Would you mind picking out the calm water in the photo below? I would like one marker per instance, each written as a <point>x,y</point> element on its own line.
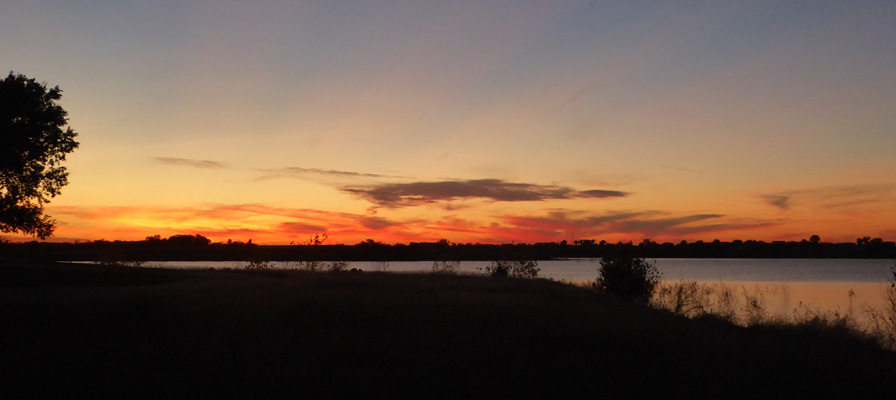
<point>845,286</point>
<point>673,269</point>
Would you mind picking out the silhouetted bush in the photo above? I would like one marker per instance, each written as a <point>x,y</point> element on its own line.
<point>628,277</point>
<point>515,269</point>
<point>498,268</point>
<point>445,267</point>
<point>258,265</point>
<point>336,266</point>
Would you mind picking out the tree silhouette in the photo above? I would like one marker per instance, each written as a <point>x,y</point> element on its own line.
<point>33,145</point>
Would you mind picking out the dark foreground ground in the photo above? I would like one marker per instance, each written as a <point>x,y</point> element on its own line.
<point>123,332</point>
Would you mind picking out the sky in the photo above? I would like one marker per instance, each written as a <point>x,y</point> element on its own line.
<point>471,121</point>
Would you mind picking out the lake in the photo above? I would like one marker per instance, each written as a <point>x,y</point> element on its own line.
<point>673,269</point>
<point>845,286</point>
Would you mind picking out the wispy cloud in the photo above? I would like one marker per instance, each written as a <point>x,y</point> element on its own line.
<point>646,224</point>
<point>417,193</point>
<point>778,200</point>
<point>301,227</point>
<point>833,197</point>
<point>659,225</point>
<point>306,173</point>
<point>187,162</point>
<point>742,226</point>
<point>599,194</point>
<point>677,168</point>
<point>582,92</point>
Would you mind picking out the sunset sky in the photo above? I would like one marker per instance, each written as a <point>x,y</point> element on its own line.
<point>472,121</point>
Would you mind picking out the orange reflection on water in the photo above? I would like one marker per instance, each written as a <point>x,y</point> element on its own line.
<point>791,299</point>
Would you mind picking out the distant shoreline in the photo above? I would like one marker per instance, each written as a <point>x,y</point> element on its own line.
<point>198,248</point>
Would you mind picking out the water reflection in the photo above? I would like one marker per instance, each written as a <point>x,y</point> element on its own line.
<point>797,299</point>
<point>786,287</point>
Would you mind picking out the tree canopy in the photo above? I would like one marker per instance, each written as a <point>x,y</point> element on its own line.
<point>34,141</point>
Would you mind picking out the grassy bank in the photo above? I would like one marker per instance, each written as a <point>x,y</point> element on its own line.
<point>128,331</point>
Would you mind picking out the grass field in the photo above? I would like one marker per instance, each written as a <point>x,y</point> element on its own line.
<point>139,332</point>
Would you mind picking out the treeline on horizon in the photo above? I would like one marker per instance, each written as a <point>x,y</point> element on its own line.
<point>200,248</point>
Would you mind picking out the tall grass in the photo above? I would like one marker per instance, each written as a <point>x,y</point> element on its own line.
<point>747,308</point>
<point>314,265</point>
<point>514,269</point>
<point>883,321</point>
<point>693,300</point>
<point>445,267</point>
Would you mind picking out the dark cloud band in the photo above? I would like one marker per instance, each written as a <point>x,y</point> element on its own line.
<point>416,193</point>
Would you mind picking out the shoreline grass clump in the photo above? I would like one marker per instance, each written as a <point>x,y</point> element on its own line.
<point>258,265</point>
<point>446,267</point>
<point>526,269</point>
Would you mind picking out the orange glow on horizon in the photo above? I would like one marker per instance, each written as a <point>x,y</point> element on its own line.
<point>271,225</point>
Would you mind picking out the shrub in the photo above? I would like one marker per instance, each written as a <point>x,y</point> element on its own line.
<point>258,265</point>
<point>314,265</point>
<point>310,265</point>
<point>515,269</point>
<point>313,246</point>
<point>110,263</point>
<point>628,277</point>
<point>445,267</point>
<point>498,268</point>
<point>525,269</point>
<point>336,266</point>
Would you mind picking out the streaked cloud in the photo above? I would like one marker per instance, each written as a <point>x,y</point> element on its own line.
<point>187,162</point>
<point>659,225</point>
<point>701,229</point>
<point>833,197</point>
<point>778,200</point>
<point>645,224</point>
<point>306,173</point>
<point>376,223</point>
<point>302,227</point>
<point>677,168</point>
<point>417,193</point>
<point>599,194</point>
